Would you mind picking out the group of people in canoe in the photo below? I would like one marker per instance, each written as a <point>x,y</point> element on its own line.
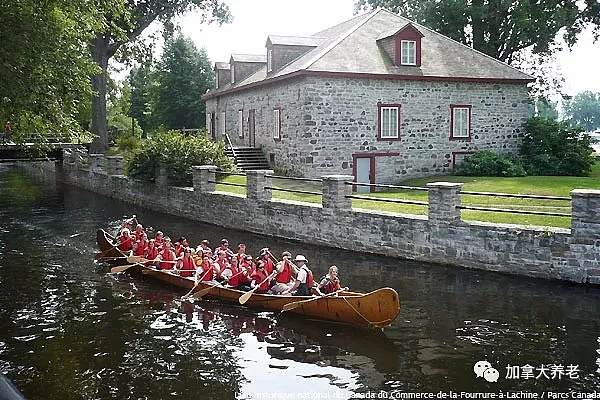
<point>239,270</point>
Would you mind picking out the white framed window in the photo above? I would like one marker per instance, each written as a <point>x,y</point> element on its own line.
<point>276,123</point>
<point>408,52</point>
<point>269,60</point>
<point>241,123</point>
<point>232,73</point>
<point>460,126</point>
<point>209,124</point>
<point>216,79</point>
<point>222,123</point>
<point>389,121</point>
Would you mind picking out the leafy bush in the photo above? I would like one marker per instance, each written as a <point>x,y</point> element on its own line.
<point>177,154</point>
<point>551,147</point>
<point>487,163</point>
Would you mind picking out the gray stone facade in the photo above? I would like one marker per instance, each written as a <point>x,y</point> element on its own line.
<point>325,121</point>
<point>441,237</point>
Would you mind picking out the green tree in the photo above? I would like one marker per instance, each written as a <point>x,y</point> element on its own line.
<point>183,76</point>
<point>499,28</point>
<point>124,25</point>
<point>142,80</point>
<point>46,65</point>
<point>546,108</point>
<point>584,110</point>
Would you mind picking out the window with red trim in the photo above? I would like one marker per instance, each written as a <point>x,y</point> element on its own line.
<point>460,121</point>
<point>388,121</point>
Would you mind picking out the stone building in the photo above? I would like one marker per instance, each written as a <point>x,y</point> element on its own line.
<point>379,97</point>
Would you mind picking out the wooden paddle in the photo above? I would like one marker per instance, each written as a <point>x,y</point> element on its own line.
<point>244,298</point>
<point>196,285</point>
<point>291,306</point>
<point>101,254</point>
<point>204,291</point>
<point>122,268</point>
<point>139,259</point>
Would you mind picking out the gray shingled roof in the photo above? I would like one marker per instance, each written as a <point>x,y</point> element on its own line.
<point>351,47</point>
<point>295,40</point>
<point>252,58</point>
<point>222,65</point>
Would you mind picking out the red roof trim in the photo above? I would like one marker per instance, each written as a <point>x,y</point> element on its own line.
<point>362,75</point>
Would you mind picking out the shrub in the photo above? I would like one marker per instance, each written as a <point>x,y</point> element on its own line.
<point>487,163</point>
<point>551,147</point>
<point>177,154</point>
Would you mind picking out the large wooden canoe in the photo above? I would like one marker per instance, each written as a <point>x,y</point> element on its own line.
<point>373,310</point>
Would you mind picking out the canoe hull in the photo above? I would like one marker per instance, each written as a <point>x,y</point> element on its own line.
<point>373,310</point>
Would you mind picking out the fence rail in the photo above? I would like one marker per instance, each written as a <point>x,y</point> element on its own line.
<point>376,185</point>
<point>518,196</point>
<point>294,190</point>
<point>400,201</point>
<point>507,210</point>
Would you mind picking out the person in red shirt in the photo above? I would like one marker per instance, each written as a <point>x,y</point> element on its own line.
<point>206,270</point>
<point>139,230</point>
<point>187,264</point>
<point>166,254</point>
<point>140,245</point>
<point>125,241</point>
<point>158,239</point>
<point>151,252</point>
<point>204,248</point>
<point>225,248</point>
<point>260,278</point>
<point>241,253</point>
<point>221,263</point>
<point>266,259</point>
<point>330,282</point>
<point>285,274</point>
<point>231,274</point>
<point>247,267</point>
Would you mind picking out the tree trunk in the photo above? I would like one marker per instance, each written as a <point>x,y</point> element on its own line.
<point>99,124</point>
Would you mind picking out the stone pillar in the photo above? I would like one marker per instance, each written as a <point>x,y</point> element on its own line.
<point>204,177</point>
<point>443,199</point>
<point>161,177</point>
<point>256,183</point>
<point>96,163</point>
<point>335,191</point>
<point>114,165</point>
<point>585,216</point>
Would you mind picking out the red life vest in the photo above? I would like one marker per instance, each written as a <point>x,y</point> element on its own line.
<point>309,277</point>
<point>331,285</point>
<point>286,273</point>
<point>208,271</point>
<point>151,253</point>
<point>138,234</point>
<point>234,280</point>
<point>141,248</point>
<point>167,255</point>
<point>268,264</point>
<point>126,243</point>
<point>188,264</point>
<point>249,267</point>
<point>259,276</point>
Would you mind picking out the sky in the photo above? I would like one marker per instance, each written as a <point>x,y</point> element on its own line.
<point>254,20</point>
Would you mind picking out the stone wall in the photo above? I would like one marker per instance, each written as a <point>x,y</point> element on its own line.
<point>441,237</point>
<point>327,120</point>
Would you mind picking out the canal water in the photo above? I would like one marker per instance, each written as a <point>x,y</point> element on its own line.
<point>70,330</point>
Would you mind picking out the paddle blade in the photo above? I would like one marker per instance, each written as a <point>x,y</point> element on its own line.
<point>291,306</point>
<point>202,292</point>
<point>244,298</point>
<point>136,259</point>
<point>121,268</point>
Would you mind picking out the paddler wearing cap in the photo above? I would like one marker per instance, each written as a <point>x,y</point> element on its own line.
<point>304,280</point>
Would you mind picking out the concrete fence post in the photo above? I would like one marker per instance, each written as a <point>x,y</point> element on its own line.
<point>444,197</point>
<point>257,182</point>
<point>585,216</point>
<point>96,163</point>
<point>114,165</point>
<point>335,191</point>
<point>162,179</point>
<point>204,177</point>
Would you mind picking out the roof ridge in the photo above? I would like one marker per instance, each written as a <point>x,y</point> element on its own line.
<point>340,38</point>
<point>458,43</point>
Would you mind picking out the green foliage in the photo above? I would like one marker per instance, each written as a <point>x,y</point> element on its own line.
<point>584,110</point>
<point>287,171</point>
<point>183,76</point>
<point>177,153</point>
<point>487,163</point>
<point>46,68</point>
<point>546,108</point>
<point>551,147</point>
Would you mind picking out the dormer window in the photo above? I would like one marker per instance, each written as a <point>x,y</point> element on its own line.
<point>269,60</point>
<point>408,52</point>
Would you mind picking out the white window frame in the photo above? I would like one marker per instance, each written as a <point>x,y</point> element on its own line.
<point>408,52</point>
<point>269,60</point>
<point>222,123</point>
<point>461,122</point>
<point>232,73</point>
<point>390,123</point>
<point>276,123</point>
<point>241,123</point>
<point>209,123</point>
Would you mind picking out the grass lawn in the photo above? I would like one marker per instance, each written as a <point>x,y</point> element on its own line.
<point>536,185</point>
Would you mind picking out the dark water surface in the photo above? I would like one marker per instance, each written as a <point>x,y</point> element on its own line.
<point>69,330</point>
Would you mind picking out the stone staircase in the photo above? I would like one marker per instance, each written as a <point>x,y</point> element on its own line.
<point>248,158</point>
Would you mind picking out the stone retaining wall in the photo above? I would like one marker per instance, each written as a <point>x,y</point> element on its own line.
<point>442,237</point>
